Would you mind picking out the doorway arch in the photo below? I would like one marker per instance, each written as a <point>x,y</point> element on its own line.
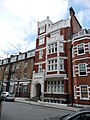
<point>38,90</point>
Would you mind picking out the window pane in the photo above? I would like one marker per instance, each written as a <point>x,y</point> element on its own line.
<point>61,64</point>
<point>84,92</point>
<point>80,48</point>
<point>82,69</point>
<point>61,47</point>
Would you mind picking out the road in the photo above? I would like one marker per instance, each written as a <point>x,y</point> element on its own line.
<point>23,111</point>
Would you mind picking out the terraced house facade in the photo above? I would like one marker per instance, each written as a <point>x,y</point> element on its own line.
<point>58,70</point>
<point>16,73</point>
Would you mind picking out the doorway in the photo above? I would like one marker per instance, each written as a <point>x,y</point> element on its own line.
<point>38,90</point>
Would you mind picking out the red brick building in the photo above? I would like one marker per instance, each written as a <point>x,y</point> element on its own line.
<point>16,73</point>
<point>81,66</point>
<point>58,70</point>
<point>52,76</point>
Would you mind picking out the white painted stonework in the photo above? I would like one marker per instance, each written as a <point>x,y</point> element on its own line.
<point>37,78</point>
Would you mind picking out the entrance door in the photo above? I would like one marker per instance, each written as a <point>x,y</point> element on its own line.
<point>38,90</point>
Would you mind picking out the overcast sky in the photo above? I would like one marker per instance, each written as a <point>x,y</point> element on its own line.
<point>18,20</point>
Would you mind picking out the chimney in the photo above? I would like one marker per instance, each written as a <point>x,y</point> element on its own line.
<point>72,13</point>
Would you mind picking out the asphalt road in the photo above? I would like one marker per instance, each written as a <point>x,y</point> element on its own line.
<point>23,111</point>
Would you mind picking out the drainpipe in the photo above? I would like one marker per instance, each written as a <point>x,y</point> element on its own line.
<point>72,96</point>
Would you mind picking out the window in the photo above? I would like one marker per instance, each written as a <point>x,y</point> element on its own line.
<point>13,76</point>
<point>7,68</point>
<point>61,64</point>
<point>16,75</point>
<point>42,29</point>
<point>13,67</point>
<point>17,66</point>
<point>62,86</point>
<point>52,48</point>
<point>82,69</point>
<point>25,89</point>
<point>61,47</point>
<point>41,41</point>
<point>80,49</point>
<point>48,89</point>
<point>40,68</point>
<point>58,86</point>
<point>86,116</point>
<point>72,52</point>
<point>25,73</point>
<point>74,71</point>
<point>84,91</point>
<point>40,54</point>
<point>75,95</point>
<point>25,64</point>
<point>21,56</point>
<point>55,86</point>
<point>52,65</point>
<point>89,47</point>
<point>77,117</point>
<point>54,34</point>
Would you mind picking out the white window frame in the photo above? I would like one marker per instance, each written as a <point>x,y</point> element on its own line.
<point>52,65</point>
<point>72,51</point>
<point>54,34</point>
<point>61,64</point>
<point>52,48</point>
<point>40,68</point>
<point>61,47</point>
<point>84,98</point>
<point>75,92</point>
<point>79,46</point>
<point>13,66</point>
<point>25,89</point>
<point>25,71</point>
<point>42,29</point>
<point>41,41</point>
<point>89,47</point>
<point>55,86</point>
<point>74,71</point>
<point>82,70</point>
<point>40,54</point>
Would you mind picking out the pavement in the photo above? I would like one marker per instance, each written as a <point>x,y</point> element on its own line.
<point>52,105</point>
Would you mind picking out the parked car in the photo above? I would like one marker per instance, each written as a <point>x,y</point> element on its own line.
<point>83,114</point>
<point>8,96</point>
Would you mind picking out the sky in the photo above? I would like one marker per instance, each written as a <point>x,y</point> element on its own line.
<point>18,21</point>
